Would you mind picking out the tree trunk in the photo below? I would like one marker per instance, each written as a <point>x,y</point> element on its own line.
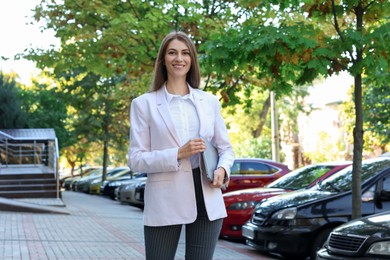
<point>358,130</point>
<point>357,150</point>
<point>263,117</point>
<point>106,124</point>
<point>105,158</point>
<point>275,129</point>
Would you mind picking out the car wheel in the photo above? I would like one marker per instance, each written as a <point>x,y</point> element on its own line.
<point>319,241</point>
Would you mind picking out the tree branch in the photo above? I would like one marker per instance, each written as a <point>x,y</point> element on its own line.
<point>338,30</point>
<point>336,23</point>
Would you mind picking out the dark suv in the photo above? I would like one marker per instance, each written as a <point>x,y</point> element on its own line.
<point>364,238</point>
<point>297,224</point>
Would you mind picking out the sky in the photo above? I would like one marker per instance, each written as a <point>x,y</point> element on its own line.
<point>332,89</point>
<point>17,35</point>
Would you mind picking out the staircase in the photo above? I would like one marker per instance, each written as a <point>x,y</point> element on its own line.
<point>28,182</point>
<point>28,164</point>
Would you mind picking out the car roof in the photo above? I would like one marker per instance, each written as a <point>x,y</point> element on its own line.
<point>268,161</point>
<point>334,163</point>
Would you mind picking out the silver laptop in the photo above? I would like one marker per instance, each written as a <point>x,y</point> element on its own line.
<point>210,159</point>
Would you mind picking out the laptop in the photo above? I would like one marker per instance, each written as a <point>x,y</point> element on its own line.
<point>210,159</point>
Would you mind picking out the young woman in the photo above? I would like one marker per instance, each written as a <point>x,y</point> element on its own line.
<point>168,127</point>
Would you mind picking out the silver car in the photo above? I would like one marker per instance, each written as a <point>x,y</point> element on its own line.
<point>126,193</point>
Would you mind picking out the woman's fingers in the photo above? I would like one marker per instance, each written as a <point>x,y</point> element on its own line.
<point>192,147</point>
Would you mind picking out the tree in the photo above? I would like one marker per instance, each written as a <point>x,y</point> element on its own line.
<point>273,45</point>
<point>107,53</point>
<point>11,114</point>
<point>359,46</point>
<point>295,41</point>
<point>376,100</point>
<point>376,109</point>
<point>46,108</point>
<point>246,118</point>
<point>98,115</point>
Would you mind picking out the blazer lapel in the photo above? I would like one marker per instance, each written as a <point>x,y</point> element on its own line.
<point>163,109</point>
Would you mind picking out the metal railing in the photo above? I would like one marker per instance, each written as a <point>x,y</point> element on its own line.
<point>27,153</point>
<point>30,153</point>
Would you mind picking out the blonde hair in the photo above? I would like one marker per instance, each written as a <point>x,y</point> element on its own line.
<point>160,71</point>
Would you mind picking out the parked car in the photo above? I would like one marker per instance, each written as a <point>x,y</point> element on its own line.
<point>126,192</point>
<point>94,185</point>
<point>108,186</point>
<point>254,172</point>
<point>140,191</point>
<point>296,224</point>
<point>245,173</point>
<point>66,181</point>
<point>70,184</point>
<point>83,184</point>
<point>240,204</point>
<point>364,238</point>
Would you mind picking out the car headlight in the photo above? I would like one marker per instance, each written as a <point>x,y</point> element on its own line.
<point>288,213</point>
<point>113,184</point>
<point>242,205</point>
<point>380,248</point>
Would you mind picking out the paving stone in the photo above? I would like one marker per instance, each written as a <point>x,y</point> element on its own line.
<point>95,228</point>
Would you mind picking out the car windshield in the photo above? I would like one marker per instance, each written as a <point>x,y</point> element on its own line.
<point>300,178</point>
<point>342,181</point>
<point>116,171</point>
<point>120,173</point>
<point>95,173</point>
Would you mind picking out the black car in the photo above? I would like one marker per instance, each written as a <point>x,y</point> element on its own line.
<point>297,224</point>
<point>108,186</point>
<point>364,238</point>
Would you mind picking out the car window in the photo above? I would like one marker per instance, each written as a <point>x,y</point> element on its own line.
<point>342,181</point>
<point>95,173</point>
<point>369,194</point>
<point>386,183</point>
<point>301,178</point>
<point>252,168</point>
<point>115,172</point>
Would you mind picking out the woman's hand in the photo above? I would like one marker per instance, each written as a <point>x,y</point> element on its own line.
<point>193,146</point>
<point>219,178</point>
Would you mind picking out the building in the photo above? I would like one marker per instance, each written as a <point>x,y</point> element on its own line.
<point>29,163</point>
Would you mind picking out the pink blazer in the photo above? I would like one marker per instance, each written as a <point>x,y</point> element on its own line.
<point>169,193</point>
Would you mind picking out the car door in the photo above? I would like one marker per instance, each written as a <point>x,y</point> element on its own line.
<point>382,200</point>
<point>250,174</point>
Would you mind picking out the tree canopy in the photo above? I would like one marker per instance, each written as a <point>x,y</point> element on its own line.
<point>11,114</point>
<point>108,49</point>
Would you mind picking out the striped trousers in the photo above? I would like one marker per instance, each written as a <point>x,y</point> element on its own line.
<point>201,236</point>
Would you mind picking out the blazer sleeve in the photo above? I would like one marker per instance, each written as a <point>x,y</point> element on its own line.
<point>221,139</point>
<point>141,158</point>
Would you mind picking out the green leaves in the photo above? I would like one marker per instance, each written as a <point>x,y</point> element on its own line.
<point>11,114</point>
<point>244,47</point>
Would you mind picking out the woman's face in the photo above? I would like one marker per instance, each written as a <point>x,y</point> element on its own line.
<point>177,59</point>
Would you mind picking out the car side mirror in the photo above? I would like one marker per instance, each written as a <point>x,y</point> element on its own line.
<point>385,195</point>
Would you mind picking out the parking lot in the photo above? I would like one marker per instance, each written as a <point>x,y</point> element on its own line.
<point>95,227</point>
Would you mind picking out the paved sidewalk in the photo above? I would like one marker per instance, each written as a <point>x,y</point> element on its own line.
<point>95,228</point>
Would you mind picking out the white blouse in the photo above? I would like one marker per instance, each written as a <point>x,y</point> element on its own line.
<point>185,118</point>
